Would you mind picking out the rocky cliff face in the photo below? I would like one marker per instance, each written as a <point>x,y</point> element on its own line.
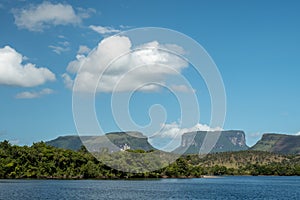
<point>278,143</point>
<point>233,140</point>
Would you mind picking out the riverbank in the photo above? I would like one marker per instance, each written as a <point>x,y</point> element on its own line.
<point>41,161</point>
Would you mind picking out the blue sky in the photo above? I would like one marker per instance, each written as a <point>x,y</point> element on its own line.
<point>255,45</point>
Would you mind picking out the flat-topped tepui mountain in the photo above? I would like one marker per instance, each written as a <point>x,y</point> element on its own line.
<point>233,140</point>
<point>278,143</point>
<point>228,141</point>
<point>121,140</point>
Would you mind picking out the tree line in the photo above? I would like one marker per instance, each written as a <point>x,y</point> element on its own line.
<point>43,161</point>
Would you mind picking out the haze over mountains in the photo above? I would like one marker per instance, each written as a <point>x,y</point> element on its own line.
<point>233,140</point>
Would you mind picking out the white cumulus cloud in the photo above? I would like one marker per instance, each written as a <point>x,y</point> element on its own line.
<point>14,72</point>
<point>34,94</point>
<point>298,133</point>
<point>104,30</point>
<point>174,129</point>
<point>144,65</point>
<point>83,49</point>
<point>39,17</point>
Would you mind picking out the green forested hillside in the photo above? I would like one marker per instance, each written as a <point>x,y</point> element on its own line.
<point>278,143</point>
<point>43,161</point>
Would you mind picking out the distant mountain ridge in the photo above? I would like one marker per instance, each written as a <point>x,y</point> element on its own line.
<point>232,140</point>
<point>278,143</point>
<point>132,140</point>
<point>71,142</point>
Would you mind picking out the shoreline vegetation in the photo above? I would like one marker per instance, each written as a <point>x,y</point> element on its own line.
<point>41,161</point>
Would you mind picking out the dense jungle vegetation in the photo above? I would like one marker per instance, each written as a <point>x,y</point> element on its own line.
<point>44,161</point>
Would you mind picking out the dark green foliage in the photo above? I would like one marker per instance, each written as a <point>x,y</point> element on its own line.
<point>44,161</point>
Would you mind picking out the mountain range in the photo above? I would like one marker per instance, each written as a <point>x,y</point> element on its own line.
<point>191,142</point>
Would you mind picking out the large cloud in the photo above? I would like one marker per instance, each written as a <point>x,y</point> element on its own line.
<point>38,17</point>
<point>146,63</point>
<point>13,72</point>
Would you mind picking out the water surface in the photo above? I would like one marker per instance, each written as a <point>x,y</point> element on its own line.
<point>214,188</point>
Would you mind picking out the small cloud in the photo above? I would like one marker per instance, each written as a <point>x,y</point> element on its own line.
<point>175,48</point>
<point>85,12</point>
<point>104,30</point>
<point>255,135</point>
<point>125,27</point>
<point>46,91</point>
<point>58,49</point>
<point>14,142</point>
<point>25,58</point>
<point>33,95</point>
<point>64,43</point>
<point>297,133</point>
<point>62,46</point>
<point>61,36</point>
<point>41,16</point>
<point>27,95</point>
<point>174,129</point>
<point>83,49</point>
<point>67,81</point>
<point>182,88</point>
